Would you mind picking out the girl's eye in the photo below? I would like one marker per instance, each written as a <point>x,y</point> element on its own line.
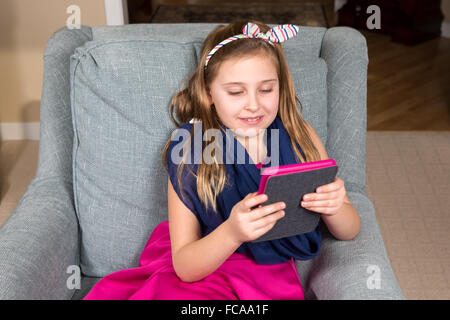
<point>236,93</point>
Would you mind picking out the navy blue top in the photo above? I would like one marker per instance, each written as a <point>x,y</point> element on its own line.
<point>243,177</point>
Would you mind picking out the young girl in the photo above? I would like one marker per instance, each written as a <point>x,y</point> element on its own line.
<point>242,85</point>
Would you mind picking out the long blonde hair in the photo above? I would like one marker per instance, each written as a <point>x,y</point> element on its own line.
<point>192,102</point>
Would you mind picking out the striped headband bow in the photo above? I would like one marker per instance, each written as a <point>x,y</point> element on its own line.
<point>279,33</point>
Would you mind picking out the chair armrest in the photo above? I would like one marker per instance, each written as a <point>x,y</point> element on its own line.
<point>344,269</point>
<point>347,270</point>
<point>38,242</point>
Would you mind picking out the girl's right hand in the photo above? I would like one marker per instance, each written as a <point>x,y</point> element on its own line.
<point>247,224</point>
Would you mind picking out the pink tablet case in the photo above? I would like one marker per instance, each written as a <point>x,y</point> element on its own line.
<point>289,183</point>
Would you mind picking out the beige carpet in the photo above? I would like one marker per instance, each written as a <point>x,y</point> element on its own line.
<point>408,180</point>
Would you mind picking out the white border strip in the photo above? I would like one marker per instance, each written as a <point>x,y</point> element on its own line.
<point>116,12</point>
<point>19,130</point>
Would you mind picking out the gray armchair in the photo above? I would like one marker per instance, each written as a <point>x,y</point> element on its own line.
<point>100,187</point>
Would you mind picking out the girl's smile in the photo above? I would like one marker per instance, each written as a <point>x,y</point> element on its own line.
<point>252,121</point>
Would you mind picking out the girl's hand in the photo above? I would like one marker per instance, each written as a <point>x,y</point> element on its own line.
<point>247,224</point>
<point>328,199</point>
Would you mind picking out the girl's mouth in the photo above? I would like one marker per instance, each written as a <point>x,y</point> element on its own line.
<point>251,121</point>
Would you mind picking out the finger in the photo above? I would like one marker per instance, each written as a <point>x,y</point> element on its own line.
<point>337,184</point>
<point>321,203</point>
<point>269,220</point>
<point>254,194</point>
<point>267,210</point>
<point>242,203</point>
<point>324,210</point>
<point>321,196</point>
<point>254,200</point>
<point>265,228</point>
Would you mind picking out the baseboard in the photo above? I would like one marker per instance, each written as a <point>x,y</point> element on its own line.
<point>445,29</point>
<point>19,130</point>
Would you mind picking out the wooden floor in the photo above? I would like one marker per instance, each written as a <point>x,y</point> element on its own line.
<point>408,88</point>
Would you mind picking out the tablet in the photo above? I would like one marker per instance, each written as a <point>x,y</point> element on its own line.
<point>289,183</point>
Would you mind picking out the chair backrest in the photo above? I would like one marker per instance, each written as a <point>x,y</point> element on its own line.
<point>122,79</point>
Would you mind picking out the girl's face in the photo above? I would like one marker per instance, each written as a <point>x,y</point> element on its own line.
<point>246,88</point>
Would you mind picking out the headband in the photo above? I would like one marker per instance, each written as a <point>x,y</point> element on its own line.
<point>278,33</point>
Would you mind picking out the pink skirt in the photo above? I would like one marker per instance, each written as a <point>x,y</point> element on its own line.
<point>238,278</point>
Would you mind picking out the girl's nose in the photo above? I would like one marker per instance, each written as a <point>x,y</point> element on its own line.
<point>252,103</point>
<point>252,107</point>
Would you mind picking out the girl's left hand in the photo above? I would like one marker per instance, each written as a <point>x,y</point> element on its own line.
<point>328,199</point>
